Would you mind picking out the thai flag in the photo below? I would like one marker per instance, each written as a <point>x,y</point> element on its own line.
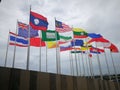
<point>17,40</point>
<point>38,22</point>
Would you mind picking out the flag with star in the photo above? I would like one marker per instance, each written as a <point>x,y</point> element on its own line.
<point>38,22</point>
<point>23,30</point>
<point>79,33</point>
<point>62,27</point>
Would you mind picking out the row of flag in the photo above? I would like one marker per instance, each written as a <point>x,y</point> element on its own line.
<point>53,38</point>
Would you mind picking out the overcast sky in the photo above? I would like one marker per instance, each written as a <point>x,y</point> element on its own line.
<point>98,16</point>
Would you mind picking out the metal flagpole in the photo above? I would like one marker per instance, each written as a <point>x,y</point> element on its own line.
<point>79,63</point>
<point>107,65</point>
<point>46,60</point>
<point>13,65</point>
<point>7,50</point>
<point>70,63</point>
<point>115,70</point>
<point>28,51</point>
<point>101,76</point>
<point>83,64</point>
<point>59,62</point>
<point>40,55</point>
<point>57,70</point>
<point>90,67</point>
<point>87,67</point>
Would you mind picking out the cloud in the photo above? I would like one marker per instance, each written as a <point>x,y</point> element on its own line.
<point>98,16</point>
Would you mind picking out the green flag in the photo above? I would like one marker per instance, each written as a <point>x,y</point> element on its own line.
<point>79,33</point>
<point>65,38</point>
<point>50,35</point>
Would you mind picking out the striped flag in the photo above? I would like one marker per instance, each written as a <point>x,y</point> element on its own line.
<point>61,27</point>
<point>18,40</point>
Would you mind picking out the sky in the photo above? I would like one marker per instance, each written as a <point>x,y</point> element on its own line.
<point>95,16</point>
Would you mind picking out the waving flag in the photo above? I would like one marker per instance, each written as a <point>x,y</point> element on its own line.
<point>51,44</point>
<point>23,42</point>
<point>61,27</point>
<point>77,42</point>
<point>96,50</point>
<point>65,38</point>
<point>50,35</point>
<point>113,48</point>
<point>17,40</point>
<point>38,21</point>
<point>23,30</point>
<point>63,48</point>
<point>101,42</point>
<point>37,42</point>
<point>77,51</point>
<point>94,35</point>
<point>79,33</point>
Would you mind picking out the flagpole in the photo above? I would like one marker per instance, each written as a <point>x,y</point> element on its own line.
<point>14,55</point>
<point>7,50</point>
<point>46,60</point>
<point>101,76</point>
<point>107,65</point>
<point>28,51</point>
<point>59,60</point>
<point>91,67</point>
<point>57,70</point>
<point>83,64</point>
<point>40,55</point>
<point>79,63</point>
<point>115,70</point>
<point>87,67</point>
<point>70,64</point>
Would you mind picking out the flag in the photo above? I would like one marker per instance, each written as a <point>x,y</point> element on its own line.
<point>62,42</point>
<point>101,39</point>
<point>38,21</point>
<point>79,33</point>
<point>61,27</point>
<point>94,35</point>
<point>96,50</point>
<point>113,48</point>
<point>23,30</point>
<point>51,44</point>
<point>50,35</point>
<point>77,42</point>
<point>77,51</point>
<point>63,48</point>
<point>66,46</point>
<point>23,42</point>
<point>100,42</point>
<point>85,48</point>
<point>65,38</point>
<point>17,40</point>
<point>37,42</point>
<point>90,55</point>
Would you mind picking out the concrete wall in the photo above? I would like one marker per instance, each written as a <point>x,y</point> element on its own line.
<point>16,79</point>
